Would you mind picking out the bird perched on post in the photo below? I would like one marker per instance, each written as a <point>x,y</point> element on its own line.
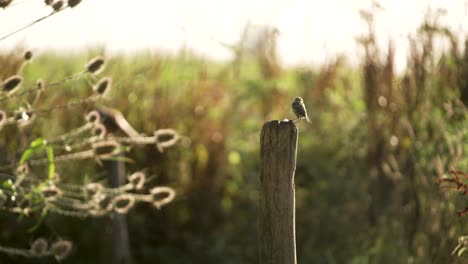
<point>299,109</point>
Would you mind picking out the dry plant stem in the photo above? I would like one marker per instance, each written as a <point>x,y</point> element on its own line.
<point>15,210</point>
<point>77,212</point>
<point>136,140</point>
<point>73,193</point>
<point>72,203</point>
<point>80,191</point>
<point>73,156</point>
<point>36,98</point>
<point>54,209</point>
<point>119,190</point>
<point>36,90</point>
<point>12,120</point>
<point>69,143</point>
<point>30,24</point>
<point>19,179</point>
<point>16,251</point>
<point>81,155</point>
<point>72,134</point>
<point>69,78</point>
<point>70,104</point>
<point>152,140</point>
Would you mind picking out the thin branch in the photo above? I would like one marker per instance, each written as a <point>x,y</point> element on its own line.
<point>30,24</point>
<point>36,90</point>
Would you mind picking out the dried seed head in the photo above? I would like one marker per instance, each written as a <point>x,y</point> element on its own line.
<point>57,5</point>
<point>93,117</point>
<point>103,86</point>
<point>48,2</point>
<point>102,201</point>
<point>137,179</point>
<point>5,3</point>
<point>28,55</point>
<point>22,169</point>
<point>156,192</point>
<point>51,192</point>
<point>95,191</point>
<point>12,83</point>
<point>40,85</point>
<point>123,203</point>
<point>95,66</point>
<point>61,249</point>
<point>39,247</point>
<point>106,149</point>
<point>99,130</point>
<point>73,3</point>
<point>94,188</point>
<point>165,138</point>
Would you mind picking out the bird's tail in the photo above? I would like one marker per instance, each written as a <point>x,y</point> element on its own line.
<point>308,120</point>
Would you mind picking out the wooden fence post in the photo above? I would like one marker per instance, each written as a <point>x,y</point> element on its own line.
<point>117,236</point>
<point>277,231</point>
<point>115,240</point>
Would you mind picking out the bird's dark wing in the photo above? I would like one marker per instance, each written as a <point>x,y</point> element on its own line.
<point>299,108</point>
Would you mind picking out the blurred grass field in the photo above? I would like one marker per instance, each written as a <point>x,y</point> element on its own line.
<point>367,166</point>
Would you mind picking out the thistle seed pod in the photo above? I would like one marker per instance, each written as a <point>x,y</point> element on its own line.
<point>137,179</point>
<point>95,66</point>
<point>106,149</point>
<point>102,201</point>
<point>99,131</point>
<point>28,55</point>
<point>165,138</point>
<point>40,85</point>
<point>12,83</point>
<point>57,5</point>
<point>73,3</point>
<point>93,117</point>
<point>39,247</point>
<point>22,169</point>
<point>157,191</point>
<point>50,192</point>
<point>103,86</point>
<point>5,3</point>
<point>61,249</point>
<point>123,203</point>
<point>93,188</point>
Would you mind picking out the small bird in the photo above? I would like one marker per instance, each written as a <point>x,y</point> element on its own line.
<point>299,109</point>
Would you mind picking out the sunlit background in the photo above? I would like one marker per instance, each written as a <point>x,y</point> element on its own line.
<point>310,31</point>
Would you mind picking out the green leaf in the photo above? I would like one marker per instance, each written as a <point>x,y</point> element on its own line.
<point>50,158</point>
<point>7,184</point>
<point>36,145</point>
<point>460,252</point>
<point>39,222</point>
